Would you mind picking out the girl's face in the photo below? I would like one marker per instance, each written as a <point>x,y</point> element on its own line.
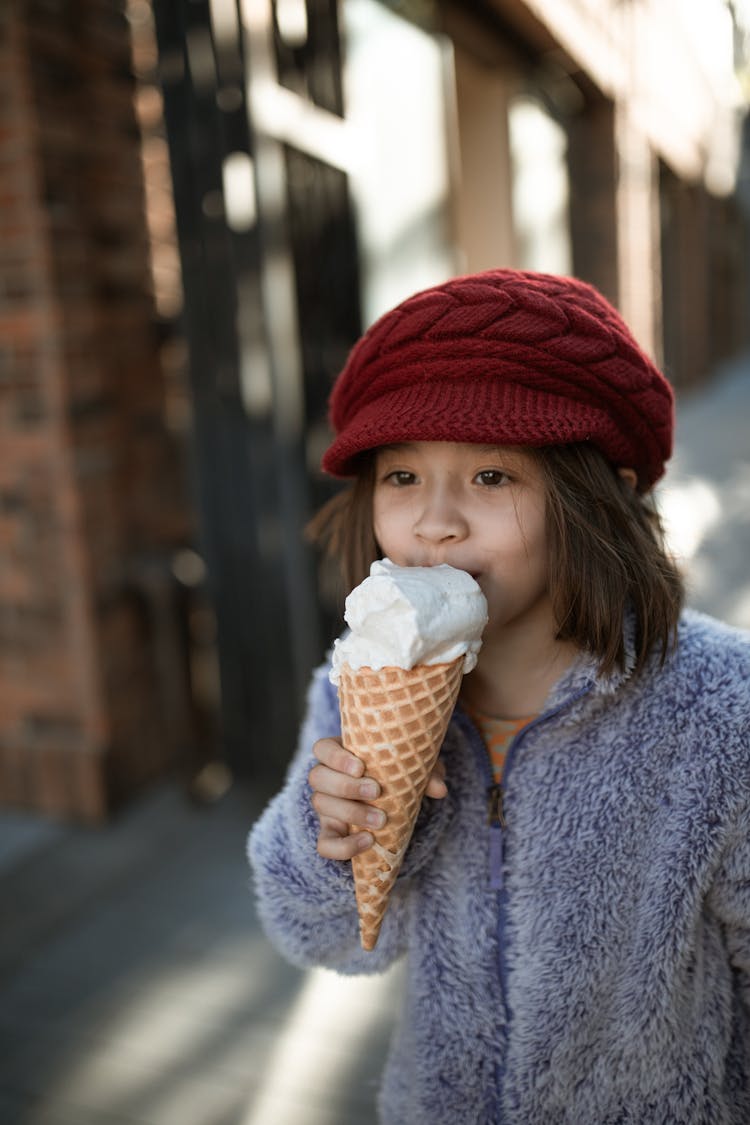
<point>478,508</point>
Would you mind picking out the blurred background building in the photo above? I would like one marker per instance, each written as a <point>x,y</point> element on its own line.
<point>203,204</point>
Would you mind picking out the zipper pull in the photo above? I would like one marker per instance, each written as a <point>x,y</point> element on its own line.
<point>495,811</point>
<point>496,821</point>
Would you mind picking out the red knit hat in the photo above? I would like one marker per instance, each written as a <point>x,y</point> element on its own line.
<point>507,358</point>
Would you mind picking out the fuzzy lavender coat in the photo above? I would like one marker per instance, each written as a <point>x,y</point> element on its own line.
<point>608,981</point>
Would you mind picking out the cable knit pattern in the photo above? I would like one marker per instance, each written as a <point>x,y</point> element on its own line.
<point>608,983</point>
<point>503,357</point>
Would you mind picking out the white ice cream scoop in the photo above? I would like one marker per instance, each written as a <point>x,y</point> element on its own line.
<point>402,616</point>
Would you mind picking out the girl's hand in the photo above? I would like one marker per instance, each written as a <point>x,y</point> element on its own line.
<point>341,796</point>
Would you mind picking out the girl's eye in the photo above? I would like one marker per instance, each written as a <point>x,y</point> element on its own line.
<point>491,478</point>
<point>400,477</point>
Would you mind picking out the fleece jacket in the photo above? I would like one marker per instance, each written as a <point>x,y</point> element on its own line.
<point>589,963</point>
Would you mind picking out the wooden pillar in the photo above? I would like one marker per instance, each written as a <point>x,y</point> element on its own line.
<point>484,217</point>
<point>592,172</point>
<point>638,243</point>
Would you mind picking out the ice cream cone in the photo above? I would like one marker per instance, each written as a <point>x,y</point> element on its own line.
<point>395,720</point>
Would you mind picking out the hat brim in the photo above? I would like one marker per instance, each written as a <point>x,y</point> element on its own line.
<point>476,412</point>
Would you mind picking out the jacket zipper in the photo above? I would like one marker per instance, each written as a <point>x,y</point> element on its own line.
<point>497,826</point>
<point>496,821</point>
<point>496,818</point>
<point>496,791</point>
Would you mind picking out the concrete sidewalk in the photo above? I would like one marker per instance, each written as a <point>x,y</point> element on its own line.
<point>135,985</point>
<point>705,497</point>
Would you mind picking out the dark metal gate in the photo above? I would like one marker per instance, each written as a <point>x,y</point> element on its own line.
<point>254,114</point>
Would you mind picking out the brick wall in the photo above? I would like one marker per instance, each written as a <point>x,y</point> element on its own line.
<point>91,500</point>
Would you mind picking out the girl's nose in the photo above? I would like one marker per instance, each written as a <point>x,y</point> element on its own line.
<point>440,520</point>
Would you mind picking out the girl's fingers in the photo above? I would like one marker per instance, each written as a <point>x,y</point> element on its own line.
<point>330,752</point>
<point>335,841</point>
<point>341,796</point>
<point>348,812</point>
<point>436,786</point>
<point>324,779</point>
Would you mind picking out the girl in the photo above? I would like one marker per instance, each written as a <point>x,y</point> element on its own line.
<point>597,969</point>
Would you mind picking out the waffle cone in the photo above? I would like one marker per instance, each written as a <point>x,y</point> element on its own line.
<point>395,721</point>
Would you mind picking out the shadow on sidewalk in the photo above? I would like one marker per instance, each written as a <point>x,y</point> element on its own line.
<point>137,986</point>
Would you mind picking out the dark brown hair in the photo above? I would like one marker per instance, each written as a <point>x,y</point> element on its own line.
<point>607,552</point>
<point>343,529</point>
<point>605,543</point>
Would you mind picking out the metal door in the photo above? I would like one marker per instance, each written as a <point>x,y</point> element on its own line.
<point>259,151</point>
